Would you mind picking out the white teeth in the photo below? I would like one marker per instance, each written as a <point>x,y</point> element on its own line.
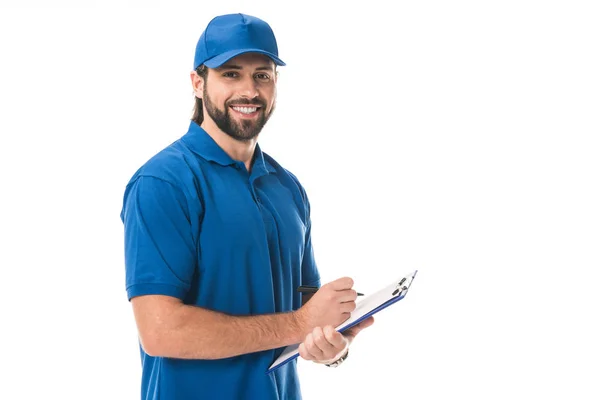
<point>245,110</point>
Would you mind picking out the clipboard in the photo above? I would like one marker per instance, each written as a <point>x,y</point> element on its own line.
<point>366,307</point>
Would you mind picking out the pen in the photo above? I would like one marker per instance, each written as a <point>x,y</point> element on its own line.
<point>313,289</point>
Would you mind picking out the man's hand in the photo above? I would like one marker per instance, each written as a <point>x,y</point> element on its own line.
<point>351,333</point>
<point>325,345</point>
<point>330,305</point>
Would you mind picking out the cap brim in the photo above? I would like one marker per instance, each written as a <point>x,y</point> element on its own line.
<point>221,59</point>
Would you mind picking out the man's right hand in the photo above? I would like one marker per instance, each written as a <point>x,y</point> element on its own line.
<point>330,305</point>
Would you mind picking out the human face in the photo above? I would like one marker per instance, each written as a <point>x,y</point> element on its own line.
<point>240,95</point>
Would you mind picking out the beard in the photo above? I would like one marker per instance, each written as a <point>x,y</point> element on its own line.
<point>243,130</point>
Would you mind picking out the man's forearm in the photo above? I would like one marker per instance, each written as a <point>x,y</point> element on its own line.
<point>197,333</point>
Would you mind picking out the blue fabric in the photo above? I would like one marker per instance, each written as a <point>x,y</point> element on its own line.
<point>200,228</point>
<point>228,36</point>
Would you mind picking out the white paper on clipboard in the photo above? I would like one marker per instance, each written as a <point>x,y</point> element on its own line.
<point>365,307</point>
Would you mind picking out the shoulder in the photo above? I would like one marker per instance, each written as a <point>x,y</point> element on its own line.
<point>172,165</point>
<point>167,177</point>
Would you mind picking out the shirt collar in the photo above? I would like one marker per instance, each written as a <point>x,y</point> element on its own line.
<point>261,165</point>
<point>201,143</point>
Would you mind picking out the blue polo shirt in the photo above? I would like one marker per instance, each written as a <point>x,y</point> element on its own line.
<point>200,228</point>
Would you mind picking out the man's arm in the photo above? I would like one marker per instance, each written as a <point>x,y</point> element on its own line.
<point>169,328</point>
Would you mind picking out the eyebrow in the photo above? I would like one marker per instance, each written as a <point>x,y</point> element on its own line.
<point>238,67</point>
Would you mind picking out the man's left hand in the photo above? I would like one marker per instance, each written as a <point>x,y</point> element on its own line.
<point>325,345</point>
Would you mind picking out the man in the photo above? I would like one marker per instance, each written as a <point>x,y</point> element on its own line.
<point>218,239</point>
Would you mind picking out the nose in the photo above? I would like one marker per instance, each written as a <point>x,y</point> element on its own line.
<point>248,88</point>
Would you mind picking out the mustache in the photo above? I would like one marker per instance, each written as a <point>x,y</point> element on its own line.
<point>247,102</point>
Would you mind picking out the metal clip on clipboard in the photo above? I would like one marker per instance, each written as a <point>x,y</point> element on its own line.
<point>399,288</point>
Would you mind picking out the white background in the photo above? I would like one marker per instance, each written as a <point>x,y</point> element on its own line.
<point>459,138</point>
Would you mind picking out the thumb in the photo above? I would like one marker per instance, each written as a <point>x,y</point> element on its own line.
<point>352,332</point>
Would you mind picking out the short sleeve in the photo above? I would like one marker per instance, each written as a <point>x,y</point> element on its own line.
<point>160,253</point>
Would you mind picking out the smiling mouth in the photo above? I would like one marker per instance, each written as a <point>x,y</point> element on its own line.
<point>247,110</point>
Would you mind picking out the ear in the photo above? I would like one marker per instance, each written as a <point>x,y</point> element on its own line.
<point>197,84</point>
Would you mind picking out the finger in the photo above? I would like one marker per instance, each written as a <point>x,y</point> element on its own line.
<point>342,283</point>
<point>311,347</point>
<point>347,295</point>
<point>347,307</point>
<point>320,341</point>
<point>352,332</point>
<point>304,353</point>
<point>367,323</point>
<point>336,339</point>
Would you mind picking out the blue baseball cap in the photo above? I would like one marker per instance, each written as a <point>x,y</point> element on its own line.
<point>228,36</point>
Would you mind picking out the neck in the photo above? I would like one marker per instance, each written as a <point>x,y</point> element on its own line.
<point>236,149</point>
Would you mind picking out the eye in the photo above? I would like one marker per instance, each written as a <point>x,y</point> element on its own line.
<point>263,77</point>
<point>230,74</point>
